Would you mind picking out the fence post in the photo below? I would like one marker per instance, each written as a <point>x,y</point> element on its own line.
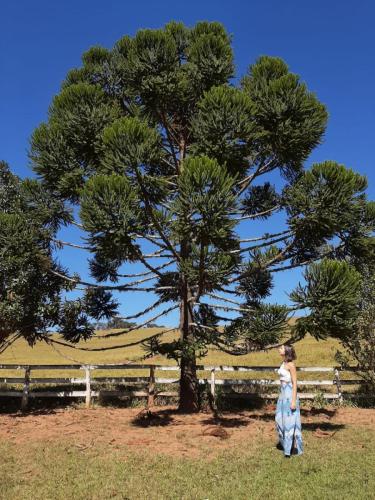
<point>88,386</point>
<point>338,385</point>
<point>151,387</point>
<point>26,389</point>
<point>213,382</point>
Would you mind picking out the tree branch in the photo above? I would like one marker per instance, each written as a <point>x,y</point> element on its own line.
<point>246,350</point>
<point>100,349</point>
<point>153,240</point>
<point>158,268</point>
<point>145,311</point>
<point>8,342</point>
<point>226,308</point>
<point>77,224</point>
<point>138,327</point>
<point>147,265</point>
<point>279,255</point>
<point>266,236</point>
<point>306,262</point>
<point>66,243</point>
<point>261,169</point>
<point>254,247</point>
<point>225,299</point>
<point>169,138</point>
<point>259,214</point>
<point>201,273</point>
<point>149,209</point>
<point>122,288</point>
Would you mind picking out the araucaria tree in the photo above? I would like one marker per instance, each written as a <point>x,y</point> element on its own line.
<point>154,142</point>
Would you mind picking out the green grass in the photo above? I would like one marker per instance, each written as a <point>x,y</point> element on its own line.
<point>337,468</point>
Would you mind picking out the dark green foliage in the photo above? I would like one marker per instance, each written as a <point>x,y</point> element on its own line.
<point>110,213</point>
<point>261,326</point>
<point>224,128</point>
<point>66,150</point>
<point>291,118</point>
<point>358,348</point>
<point>256,284</point>
<point>326,200</point>
<point>260,199</point>
<point>29,292</point>
<point>207,316</point>
<point>102,268</point>
<point>74,323</point>
<point>32,286</point>
<point>9,189</point>
<point>30,198</point>
<point>99,304</point>
<point>170,279</point>
<point>205,197</point>
<point>331,295</point>
<point>94,70</point>
<point>129,143</point>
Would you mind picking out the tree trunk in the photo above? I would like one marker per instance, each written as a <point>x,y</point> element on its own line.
<point>189,398</point>
<point>189,401</point>
<point>188,387</point>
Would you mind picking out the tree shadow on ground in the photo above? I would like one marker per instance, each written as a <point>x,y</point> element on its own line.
<point>324,426</point>
<point>42,406</point>
<point>163,417</point>
<point>318,411</point>
<point>322,417</point>
<point>152,418</point>
<point>227,421</point>
<point>235,401</point>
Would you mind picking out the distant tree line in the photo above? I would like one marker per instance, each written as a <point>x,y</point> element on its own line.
<point>117,322</point>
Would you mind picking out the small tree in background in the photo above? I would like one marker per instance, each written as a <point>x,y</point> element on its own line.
<point>152,144</point>
<point>359,346</point>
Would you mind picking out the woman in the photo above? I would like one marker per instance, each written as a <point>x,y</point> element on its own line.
<point>288,418</point>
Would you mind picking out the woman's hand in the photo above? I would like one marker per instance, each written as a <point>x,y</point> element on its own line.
<point>293,405</point>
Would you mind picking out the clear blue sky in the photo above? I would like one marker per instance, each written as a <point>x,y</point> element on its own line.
<point>329,43</point>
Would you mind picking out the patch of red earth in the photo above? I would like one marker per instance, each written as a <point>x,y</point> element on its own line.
<point>164,430</point>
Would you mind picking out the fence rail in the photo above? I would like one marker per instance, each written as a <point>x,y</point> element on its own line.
<point>149,382</point>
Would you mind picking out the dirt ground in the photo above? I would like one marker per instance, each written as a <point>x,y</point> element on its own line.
<point>164,430</point>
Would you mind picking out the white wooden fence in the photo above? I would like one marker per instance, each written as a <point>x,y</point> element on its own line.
<point>27,380</point>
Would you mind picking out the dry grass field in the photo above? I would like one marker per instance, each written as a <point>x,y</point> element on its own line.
<point>309,351</point>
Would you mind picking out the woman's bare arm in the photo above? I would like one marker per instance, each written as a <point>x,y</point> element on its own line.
<point>293,373</point>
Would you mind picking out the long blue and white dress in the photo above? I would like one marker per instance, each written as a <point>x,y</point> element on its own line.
<point>288,422</point>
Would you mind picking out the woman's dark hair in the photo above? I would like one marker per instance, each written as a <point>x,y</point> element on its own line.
<point>290,353</point>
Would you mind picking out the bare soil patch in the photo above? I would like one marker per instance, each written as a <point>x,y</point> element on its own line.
<point>164,430</point>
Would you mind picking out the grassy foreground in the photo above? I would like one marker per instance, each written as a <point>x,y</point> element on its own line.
<point>339,468</point>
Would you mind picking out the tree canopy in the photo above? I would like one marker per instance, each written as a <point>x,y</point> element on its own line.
<point>152,141</point>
